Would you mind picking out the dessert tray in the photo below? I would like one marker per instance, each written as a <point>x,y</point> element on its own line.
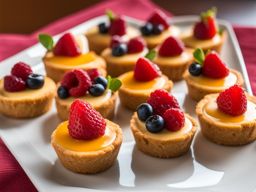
<point>206,167</point>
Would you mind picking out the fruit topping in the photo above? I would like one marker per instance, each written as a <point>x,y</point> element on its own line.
<point>85,123</point>
<point>171,47</point>
<point>144,111</point>
<point>154,124</point>
<point>195,69</point>
<point>21,70</point>
<point>158,29</point>
<point>93,73</point>
<point>62,92</point>
<point>35,81</point>
<point>147,29</point>
<point>119,50</point>
<point>161,100</point>
<point>14,84</point>
<point>117,27</point>
<point>103,28</point>
<point>96,90</point>
<point>136,45</point>
<point>174,119</point>
<point>159,18</point>
<point>101,80</point>
<point>206,28</point>
<point>116,40</point>
<point>232,101</point>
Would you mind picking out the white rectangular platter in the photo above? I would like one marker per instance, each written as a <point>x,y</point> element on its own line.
<point>206,167</point>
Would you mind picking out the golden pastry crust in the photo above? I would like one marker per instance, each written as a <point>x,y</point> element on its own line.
<point>56,72</point>
<point>107,109</point>
<point>197,92</point>
<point>93,161</point>
<point>162,148</point>
<point>28,107</point>
<point>131,99</point>
<point>225,133</point>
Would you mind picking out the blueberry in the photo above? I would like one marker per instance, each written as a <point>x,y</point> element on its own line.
<point>195,69</point>
<point>35,81</point>
<point>144,110</point>
<point>96,90</point>
<point>158,29</point>
<point>103,28</point>
<point>155,123</point>
<point>119,50</point>
<point>101,80</point>
<point>62,92</point>
<point>147,29</point>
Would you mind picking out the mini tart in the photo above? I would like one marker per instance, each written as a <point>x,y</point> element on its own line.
<point>104,104</point>
<point>98,42</point>
<point>174,67</point>
<point>132,92</point>
<point>87,156</point>
<point>209,44</point>
<point>199,86</point>
<point>118,65</point>
<point>165,144</point>
<point>224,129</point>
<point>28,103</point>
<point>154,40</point>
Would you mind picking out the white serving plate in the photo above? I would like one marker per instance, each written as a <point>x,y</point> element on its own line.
<point>206,167</point>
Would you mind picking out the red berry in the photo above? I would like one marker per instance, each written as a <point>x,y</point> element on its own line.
<point>69,80</point>
<point>145,70</point>
<point>83,85</point>
<point>21,70</point>
<point>67,46</point>
<point>136,45</point>
<point>85,122</point>
<point>174,119</point>
<point>14,84</point>
<point>161,100</point>
<point>171,47</point>
<point>232,101</point>
<point>93,73</point>
<point>115,40</point>
<point>159,18</point>
<point>205,29</point>
<point>214,67</point>
<point>117,27</point>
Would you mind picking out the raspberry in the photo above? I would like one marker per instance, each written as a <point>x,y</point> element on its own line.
<point>161,100</point>
<point>67,46</point>
<point>171,47</point>
<point>117,27</point>
<point>214,67</point>
<point>14,84</point>
<point>145,70</point>
<point>174,119</point>
<point>232,101</point>
<point>85,122</point>
<point>69,80</point>
<point>136,45</point>
<point>21,70</point>
<point>159,18</point>
<point>93,73</point>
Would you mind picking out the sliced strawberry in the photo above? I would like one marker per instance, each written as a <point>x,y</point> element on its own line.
<point>21,70</point>
<point>159,18</point>
<point>117,27</point>
<point>171,47</point>
<point>232,101</point>
<point>85,122</point>
<point>14,84</point>
<point>174,119</point>
<point>214,67</point>
<point>136,45</point>
<point>67,46</point>
<point>145,70</point>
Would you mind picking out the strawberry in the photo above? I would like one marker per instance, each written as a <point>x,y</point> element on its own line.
<point>159,18</point>
<point>206,28</point>
<point>161,100</point>
<point>136,45</point>
<point>69,80</point>
<point>232,101</point>
<point>85,122</point>
<point>174,119</point>
<point>14,84</point>
<point>93,73</point>
<point>21,70</point>
<point>117,27</point>
<point>171,47</point>
<point>214,67</point>
<point>145,70</point>
<point>67,46</point>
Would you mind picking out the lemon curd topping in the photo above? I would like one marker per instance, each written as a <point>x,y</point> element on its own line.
<point>184,57</point>
<point>165,134</point>
<point>63,139</point>
<point>129,82</point>
<point>191,41</point>
<point>212,111</point>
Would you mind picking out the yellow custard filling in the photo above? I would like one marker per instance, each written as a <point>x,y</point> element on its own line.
<point>228,81</point>
<point>183,58</point>
<point>191,41</point>
<point>165,134</point>
<point>211,109</point>
<point>63,138</point>
<point>28,93</point>
<point>129,82</point>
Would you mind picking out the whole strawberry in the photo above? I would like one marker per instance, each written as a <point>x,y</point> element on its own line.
<point>171,47</point>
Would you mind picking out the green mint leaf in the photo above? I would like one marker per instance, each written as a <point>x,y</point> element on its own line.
<point>151,54</point>
<point>199,56</point>
<point>209,13</point>
<point>113,83</point>
<point>220,31</point>
<point>110,15</point>
<point>46,41</point>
